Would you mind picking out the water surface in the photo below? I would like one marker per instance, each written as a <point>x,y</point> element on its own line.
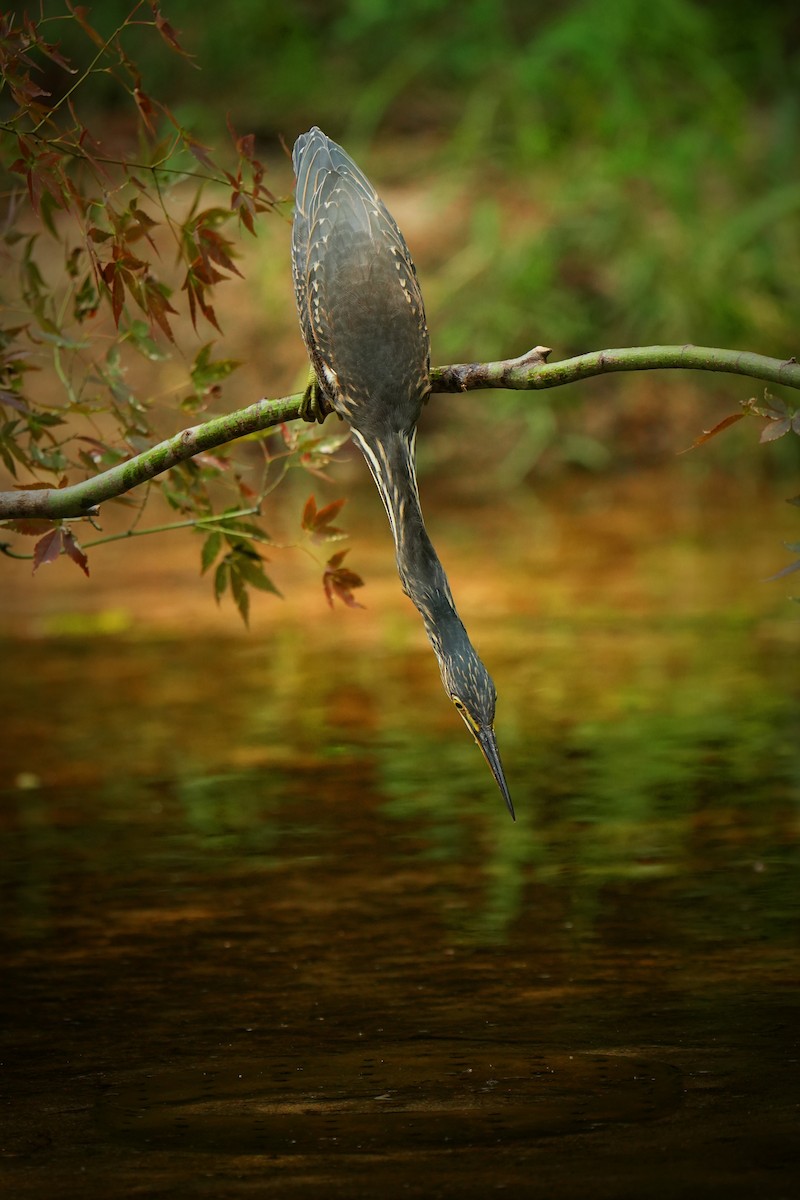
<point>267,928</point>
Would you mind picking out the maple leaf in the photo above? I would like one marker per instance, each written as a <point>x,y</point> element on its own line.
<point>146,108</point>
<point>169,35</point>
<point>340,581</point>
<point>73,550</point>
<point>317,522</point>
<point>782,418</point>
<point>47,549</point>
<point>55,543</point>
<point>30,526</point>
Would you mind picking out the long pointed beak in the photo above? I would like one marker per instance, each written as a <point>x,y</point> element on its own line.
<point>488,744</point>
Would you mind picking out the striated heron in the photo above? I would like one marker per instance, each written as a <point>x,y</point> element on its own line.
<point>363,324</point>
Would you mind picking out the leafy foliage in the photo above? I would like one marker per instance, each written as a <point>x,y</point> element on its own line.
<point>59,541</point>
<point>782,418</point>
<point>111,260</point>
<point>632,168</point>
<point>54,539</point>
<point>241,566</point>
<point>656,194</point>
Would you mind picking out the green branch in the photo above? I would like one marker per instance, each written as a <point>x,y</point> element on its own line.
<point>529,372</point>
<point>82,499</point>
<point>532,371</point>
<point>208,522</point>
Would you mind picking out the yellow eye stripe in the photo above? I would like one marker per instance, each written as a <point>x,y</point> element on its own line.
<point>468,721</point>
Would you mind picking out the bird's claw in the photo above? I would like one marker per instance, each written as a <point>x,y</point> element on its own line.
<point>314,405</point>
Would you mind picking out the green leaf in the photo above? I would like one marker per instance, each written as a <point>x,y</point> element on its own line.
<point>205,372</point>
<point>8,461</point>
<point>211,548</point>
<point>50,460</point>
<point>47,207</point>
<point>230,526</point>
<point>221,580</point>
<point>39,420</point>
<point>240,595</point>
<point>138,334</point>
<point>252,570</point>
<point>86,300</point>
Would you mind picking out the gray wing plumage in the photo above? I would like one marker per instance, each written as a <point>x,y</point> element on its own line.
<point>363,322</point>
<point>360,306</point>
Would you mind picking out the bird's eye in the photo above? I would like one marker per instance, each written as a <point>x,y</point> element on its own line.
<point>466,715</point>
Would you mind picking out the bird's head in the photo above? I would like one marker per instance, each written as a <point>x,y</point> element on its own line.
<point>470,687</point>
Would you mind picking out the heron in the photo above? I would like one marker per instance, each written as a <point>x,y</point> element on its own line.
<point>363,323</point>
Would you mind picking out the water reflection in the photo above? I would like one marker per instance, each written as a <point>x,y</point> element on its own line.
<point>296,926</point>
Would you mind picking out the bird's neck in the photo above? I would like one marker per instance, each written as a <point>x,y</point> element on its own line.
<point>391,460</point>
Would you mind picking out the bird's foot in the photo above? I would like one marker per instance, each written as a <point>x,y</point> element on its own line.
<point>314,406</point>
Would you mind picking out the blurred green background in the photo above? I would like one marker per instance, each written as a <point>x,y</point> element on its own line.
<point>591,174</point>
<point>633,168</point>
